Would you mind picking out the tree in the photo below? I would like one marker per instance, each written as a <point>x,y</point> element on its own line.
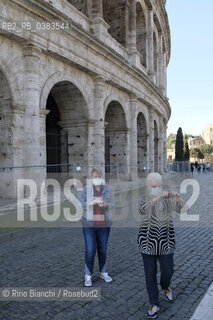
<point>171,140</point>
<point>179,146</point>
<point>206,149</point>
<point>186,153</point>
<point>196,153</point>
<point>192,136</point>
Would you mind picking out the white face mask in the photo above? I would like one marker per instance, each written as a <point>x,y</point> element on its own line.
<point>156,191</point>
<point>97,181</point>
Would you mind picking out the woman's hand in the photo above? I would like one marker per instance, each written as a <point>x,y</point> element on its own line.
<point>164,194</point>
<point>105,204</point>
<point>95,202</point>
<point>177,197</point>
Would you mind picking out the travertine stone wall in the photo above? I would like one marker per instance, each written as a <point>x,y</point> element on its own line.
<point>106,74</point>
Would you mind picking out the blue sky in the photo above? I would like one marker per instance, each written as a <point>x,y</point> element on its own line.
<point>190,71</point>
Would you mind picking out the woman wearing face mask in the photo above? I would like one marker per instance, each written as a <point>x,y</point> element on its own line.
<point>156,239</point>
<point>96,199</point>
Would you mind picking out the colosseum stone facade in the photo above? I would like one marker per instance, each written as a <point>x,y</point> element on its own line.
<point>97,85</point>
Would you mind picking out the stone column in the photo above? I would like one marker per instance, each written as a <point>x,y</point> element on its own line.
<point>160,71</point>
<point>18,135</point>
<point>43,145</point>
<point>8,186</point>
<point>165,144</point>
<point>99,26</point>
<point>150,58</point>
<point>134,55</point>
<point>97,8</point>
<point>161,146</point>
<point>165,72</point>
<point>151,141</point>
<point>133,138</point>
<point>98,138</point>
<point>31,97</point>
<point>31,87</point>
<point>132,46</point>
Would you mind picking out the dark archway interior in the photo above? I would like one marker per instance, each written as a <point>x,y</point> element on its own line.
<point>66,125</point>
<point>85,6</point>
<point>115,14</point>
<point>115,135</point>
<point>53,132</point>
<point>141,33</point>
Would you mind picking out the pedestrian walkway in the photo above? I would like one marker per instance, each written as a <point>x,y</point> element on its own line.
<point>205,309</point>
<point>55,257</point>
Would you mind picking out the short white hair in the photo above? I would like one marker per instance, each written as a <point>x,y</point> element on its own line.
<point>153,176</point>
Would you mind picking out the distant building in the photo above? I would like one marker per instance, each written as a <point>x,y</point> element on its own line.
<point>195,142</point>
<point>171,154</point>
<point>208,134</point>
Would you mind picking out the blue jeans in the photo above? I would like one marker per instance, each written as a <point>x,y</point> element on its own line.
<point>95,237</point>
<point>150,267</point>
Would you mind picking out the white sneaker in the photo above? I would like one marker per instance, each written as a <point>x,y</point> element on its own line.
<point>105,276</point>
<point>88,280</point>
<point>153,312</point>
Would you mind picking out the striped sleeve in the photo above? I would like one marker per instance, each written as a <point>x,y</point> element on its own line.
<point>143,205</point>
<point>177,206</point>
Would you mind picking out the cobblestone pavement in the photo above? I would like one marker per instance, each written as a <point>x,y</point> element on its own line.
<point>55,257</point>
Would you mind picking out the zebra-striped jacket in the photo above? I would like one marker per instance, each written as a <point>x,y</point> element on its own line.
<point>156,233</point>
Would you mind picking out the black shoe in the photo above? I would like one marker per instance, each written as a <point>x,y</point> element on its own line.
<point>153,312</point>
<point>169,295</point>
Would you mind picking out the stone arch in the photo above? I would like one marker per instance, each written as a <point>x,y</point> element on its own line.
<point>60,77</point>
<point>141,144</point>
<point>121,100</point>
<point>115,13</point>
<point>67,123</point>
<point>156,144</point>
<point>13,83</point>
<point>141,33</point>
<point>115,137</point>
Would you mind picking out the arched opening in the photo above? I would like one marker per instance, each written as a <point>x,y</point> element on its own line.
<point>6,147</point>
<point>85,6</point>
<point>66,126</point>
<point>141,144</point>
<point>115,14</point>
<point>141,34</point>
<point>156,139</point>
<point>115,137</point>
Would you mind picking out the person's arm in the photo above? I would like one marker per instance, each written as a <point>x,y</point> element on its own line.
<point>108,198</point>
<point>83,198</point>
<point>178,202</point>
<point>144,204</point>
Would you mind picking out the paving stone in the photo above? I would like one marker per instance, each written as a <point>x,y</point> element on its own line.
<point>55,257</point>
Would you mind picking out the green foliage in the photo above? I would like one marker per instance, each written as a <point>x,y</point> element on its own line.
<point>206,149</point>
<point>196,153</point>
<point>171,140</point>
<point>179,146</point>
<point>186,153</point>
<point>194,137</point>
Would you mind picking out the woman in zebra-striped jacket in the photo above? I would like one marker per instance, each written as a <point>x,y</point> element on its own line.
<point>156,238</point>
